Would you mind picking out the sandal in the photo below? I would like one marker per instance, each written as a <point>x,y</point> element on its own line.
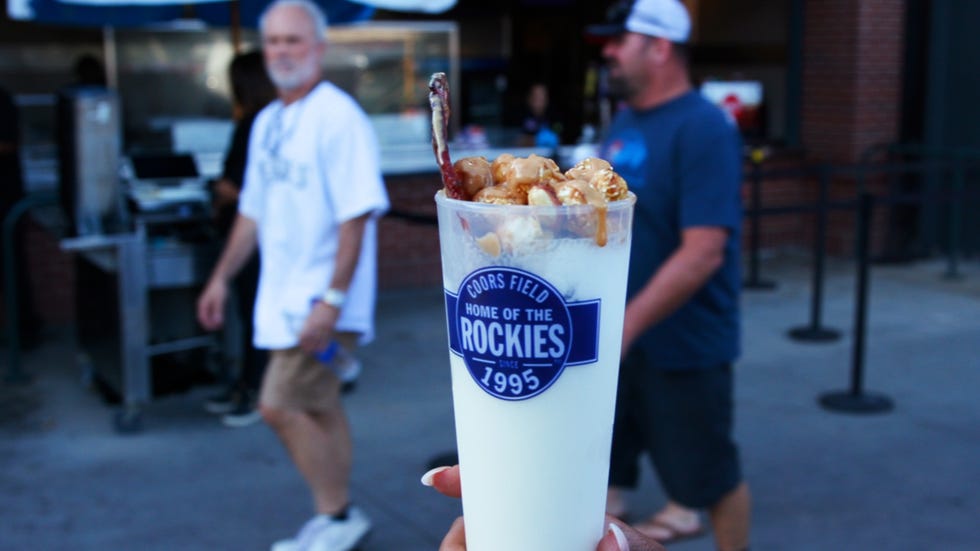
<point>667,530</point>
<point>616,506</point>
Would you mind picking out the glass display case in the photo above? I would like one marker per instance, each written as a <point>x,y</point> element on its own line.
<point>386,66</point>
<point>168,75</point>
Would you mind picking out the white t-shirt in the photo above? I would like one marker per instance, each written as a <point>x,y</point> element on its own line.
<point>312,165</point>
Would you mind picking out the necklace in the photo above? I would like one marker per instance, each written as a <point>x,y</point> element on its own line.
<point>279,129</point>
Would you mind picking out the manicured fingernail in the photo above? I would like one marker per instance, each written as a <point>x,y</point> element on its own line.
<point>617,533</point>
<point>428,476</point>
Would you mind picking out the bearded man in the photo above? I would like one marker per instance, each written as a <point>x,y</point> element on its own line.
<point>311,198</point>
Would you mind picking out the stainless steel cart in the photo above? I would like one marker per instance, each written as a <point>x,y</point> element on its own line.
<point>135,301</point>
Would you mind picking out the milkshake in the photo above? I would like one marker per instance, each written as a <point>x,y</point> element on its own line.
<point>534,302</point>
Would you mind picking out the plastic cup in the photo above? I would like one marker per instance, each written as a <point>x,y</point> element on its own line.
<point>534,311</point>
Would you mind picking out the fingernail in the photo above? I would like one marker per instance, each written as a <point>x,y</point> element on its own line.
<point>428,476</point>
<point>617,533</point>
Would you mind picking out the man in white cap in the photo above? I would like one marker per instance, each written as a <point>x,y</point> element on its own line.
<point>683,160</point>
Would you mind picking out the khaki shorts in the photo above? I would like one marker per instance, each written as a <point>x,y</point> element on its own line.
<point>298,381</point>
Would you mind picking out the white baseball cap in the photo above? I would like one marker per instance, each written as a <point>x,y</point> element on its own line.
<point>661,18</point>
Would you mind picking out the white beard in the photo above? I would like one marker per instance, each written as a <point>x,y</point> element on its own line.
<point>287,76</point>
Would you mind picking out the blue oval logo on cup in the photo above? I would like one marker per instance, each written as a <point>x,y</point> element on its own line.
<point>513,330</point>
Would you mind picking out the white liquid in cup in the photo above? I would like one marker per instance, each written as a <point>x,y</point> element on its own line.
<point>535,469</point>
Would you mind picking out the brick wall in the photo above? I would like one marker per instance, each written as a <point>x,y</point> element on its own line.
<point>797,230</point>
<point>852,81</point>
<point>852,69</point>
<point>408,250</point>
<point>829,77</point>
<point>780,231</point>
<point>52,275</point>
<point>51,278</point>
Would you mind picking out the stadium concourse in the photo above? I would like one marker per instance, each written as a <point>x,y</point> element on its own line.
<point>901,480</point>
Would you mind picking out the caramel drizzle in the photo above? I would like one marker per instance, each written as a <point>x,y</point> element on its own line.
<point>597,201</point>
<point>601,232</point>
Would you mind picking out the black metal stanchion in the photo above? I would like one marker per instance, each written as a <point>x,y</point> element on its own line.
<point>753,281</point>
<point>815,332</point>
<point>856,400</point>
<point>14,373</point>
<point>953,227</point>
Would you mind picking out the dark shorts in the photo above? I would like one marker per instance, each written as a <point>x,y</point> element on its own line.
<point>683,420</point>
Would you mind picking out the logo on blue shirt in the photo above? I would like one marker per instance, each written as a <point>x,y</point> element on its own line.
<point>627,153</point>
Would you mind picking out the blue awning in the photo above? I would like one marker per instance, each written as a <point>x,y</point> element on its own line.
<point>137,13</point>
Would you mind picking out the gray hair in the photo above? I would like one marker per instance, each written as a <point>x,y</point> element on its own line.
<point>315,13</point>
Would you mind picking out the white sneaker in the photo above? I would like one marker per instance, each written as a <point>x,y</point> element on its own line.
<point>241,418</point>
<point>348,370</point>
<point>324,533</point>
<point>305,533</point>
<point>288,544</point>
<point>341,535</point>
<point>285,545</point>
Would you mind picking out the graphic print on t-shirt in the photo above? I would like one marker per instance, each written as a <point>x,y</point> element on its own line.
<point>627,153</point>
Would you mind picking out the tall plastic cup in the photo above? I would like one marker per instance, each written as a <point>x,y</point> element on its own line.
<point>534,309</point>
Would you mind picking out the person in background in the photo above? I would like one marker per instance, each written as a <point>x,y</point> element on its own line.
<point>12,191</point>
<point>89,71</point>
<point>251,90</point>
<point>311,198</point>
<point>538,119</point>
<point>683,161</point>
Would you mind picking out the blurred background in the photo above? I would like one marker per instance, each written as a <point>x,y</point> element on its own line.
<point>125,114</point>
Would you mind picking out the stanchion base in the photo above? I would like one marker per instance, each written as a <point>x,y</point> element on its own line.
<point>813,334</point>
<point>849,402</point>
<point>444,459</point>
<point>759,284</point>
<point>953,276</point>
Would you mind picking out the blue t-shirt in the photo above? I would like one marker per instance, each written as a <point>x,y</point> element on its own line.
<point>683,161</point>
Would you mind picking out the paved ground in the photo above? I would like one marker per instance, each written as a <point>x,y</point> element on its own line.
<point>906,480</point>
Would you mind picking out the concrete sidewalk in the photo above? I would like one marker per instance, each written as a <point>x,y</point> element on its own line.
<point>905,480</point>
